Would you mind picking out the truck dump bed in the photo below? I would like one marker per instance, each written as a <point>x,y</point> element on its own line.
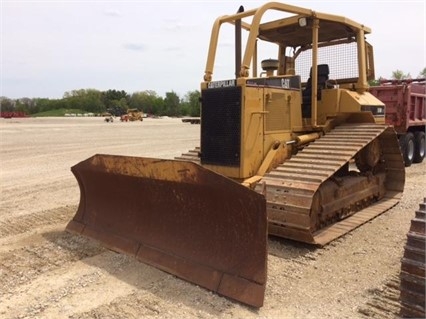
<point>405,103</point>
<point>405,110</point>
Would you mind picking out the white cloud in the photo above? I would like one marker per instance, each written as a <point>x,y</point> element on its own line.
<point>134,46</point>
<point>112,13</point>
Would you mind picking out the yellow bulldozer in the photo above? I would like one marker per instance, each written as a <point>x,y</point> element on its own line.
<point>132,115</point>
<point>295,150</point>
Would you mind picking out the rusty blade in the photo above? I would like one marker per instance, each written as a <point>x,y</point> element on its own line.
<point>178,217</point>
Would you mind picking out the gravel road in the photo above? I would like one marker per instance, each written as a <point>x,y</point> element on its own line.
<point>48,273</point>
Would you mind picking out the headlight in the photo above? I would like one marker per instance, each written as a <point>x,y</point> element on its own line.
<point>376,110</point>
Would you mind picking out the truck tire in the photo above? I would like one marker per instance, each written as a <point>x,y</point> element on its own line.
<point>406,143</point>
<point>419,147</point>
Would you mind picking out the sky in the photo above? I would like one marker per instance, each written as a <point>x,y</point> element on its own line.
<point>52,47</point>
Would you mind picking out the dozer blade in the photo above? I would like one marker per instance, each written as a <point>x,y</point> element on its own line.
<point>178,217</point>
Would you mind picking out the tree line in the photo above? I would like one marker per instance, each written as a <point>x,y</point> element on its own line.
<point>115,102</point>
<point>399,75</point>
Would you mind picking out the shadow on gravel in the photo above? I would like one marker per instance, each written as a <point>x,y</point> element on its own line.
<point>289,249</point>
<point>383,302</point>
<point>76,246</point>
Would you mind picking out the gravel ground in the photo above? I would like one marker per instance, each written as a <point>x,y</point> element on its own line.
<point>48,273</point>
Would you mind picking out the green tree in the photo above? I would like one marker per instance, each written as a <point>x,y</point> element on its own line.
<point>44,104</point>
<point>6,104</point>
<point>21,107</point>
<point>89,100</point>
<point>147,101</point>
<point>93,101</point>
<point>191,103</point>
<point>399,75</point>
<point>422,74</point>
<point>110,98</point>
<point>118,107</point>
<point>26,105</point>
<point>157,104</point>
<point>171,104</point>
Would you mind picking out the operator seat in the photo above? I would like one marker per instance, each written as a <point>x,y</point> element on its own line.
<point>323,73</point>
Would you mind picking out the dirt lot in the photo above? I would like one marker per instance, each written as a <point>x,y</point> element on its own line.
<point>48,273</point>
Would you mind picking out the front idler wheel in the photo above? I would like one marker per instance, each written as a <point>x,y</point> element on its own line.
<point>368,157</point>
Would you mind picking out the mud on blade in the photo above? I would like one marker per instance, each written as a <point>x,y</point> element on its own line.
<point>178,217</point>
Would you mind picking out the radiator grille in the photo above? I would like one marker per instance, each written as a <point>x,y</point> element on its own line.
<point>221,126</point>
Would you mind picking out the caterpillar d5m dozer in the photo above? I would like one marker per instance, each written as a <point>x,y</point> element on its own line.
<point>295,151</point>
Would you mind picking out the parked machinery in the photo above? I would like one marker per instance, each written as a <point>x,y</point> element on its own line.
<point>132,115</point>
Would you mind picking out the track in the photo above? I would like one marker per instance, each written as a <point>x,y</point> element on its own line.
<point>413,268</point>
<point>298,191</point>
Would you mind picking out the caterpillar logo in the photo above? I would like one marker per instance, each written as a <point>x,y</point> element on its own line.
<point>285,83</point>
<point>221,84</point>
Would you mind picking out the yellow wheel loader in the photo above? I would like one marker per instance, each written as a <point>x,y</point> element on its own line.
<point>296,150</point>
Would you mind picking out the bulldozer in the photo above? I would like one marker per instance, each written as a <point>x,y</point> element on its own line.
<point>132,115</point>
<point>293,151</point>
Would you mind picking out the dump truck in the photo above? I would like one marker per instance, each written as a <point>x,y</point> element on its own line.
<point>292,151</point>
<point>405,102</point>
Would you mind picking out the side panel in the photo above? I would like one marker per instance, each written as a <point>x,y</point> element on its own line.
<point>252,131</point>
<point>277,108</point>
<point>282,113</point>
